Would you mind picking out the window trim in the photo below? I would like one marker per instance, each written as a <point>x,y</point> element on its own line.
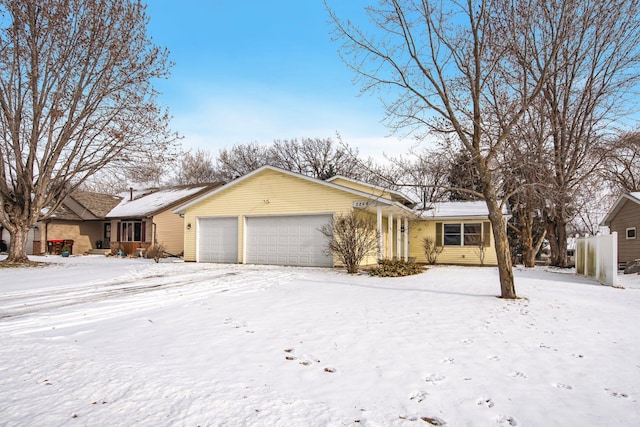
<point>484,234</point>
<point>123,231</point>
<point>633,230</point>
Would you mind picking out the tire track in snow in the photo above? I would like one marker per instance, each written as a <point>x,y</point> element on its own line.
<point>46,309</point>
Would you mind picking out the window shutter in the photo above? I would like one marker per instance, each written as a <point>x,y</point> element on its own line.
<point>118,227</point>
<point>143,232</point>
<point>438,234</point>
<point>486,234</point>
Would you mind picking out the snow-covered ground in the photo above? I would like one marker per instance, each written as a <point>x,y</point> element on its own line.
<point>92,341</point>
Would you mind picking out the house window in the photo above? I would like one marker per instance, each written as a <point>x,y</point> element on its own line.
<point>452,235</point>
<point>631,233</point>
<point>472,234</point>
<point>463,234</point>
<point>131,231</point>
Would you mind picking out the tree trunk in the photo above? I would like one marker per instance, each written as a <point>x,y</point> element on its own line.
<point>529,257</point>
<point>18,246</point>
<point>528,252</point>
<point>557,232</point>
<point>560,259</point>
<point>503,252</point>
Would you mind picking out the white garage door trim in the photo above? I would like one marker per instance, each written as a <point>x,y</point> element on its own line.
<point>217,239</point>
<point>287,240</point>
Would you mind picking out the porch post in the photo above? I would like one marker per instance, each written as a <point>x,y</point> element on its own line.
<point>406,239</point>
<point>390,236</point>
<point>379,228</point>
<point>399,238</point>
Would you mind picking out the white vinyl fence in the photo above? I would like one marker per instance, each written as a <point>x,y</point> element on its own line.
<point>597,258</point>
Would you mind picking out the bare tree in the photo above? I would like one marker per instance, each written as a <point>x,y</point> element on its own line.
<point>592,78</point>
<point>195,168</point>
<point>461,70</point>
<point>524,173</point>
<point>422,175</point>
<point>352,237</point>
<point>316,157</point>
<point>75,97</point>
<point>622,169</point>
<point>462,176</point>
<point>240,160</point>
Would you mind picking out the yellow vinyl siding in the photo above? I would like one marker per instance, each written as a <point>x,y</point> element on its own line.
<point>459,255</point>
<point>267,193</point>
<point>169,232</point>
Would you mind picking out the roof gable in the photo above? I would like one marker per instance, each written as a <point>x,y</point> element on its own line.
<point>182,209</point>
<point>633,197</point>
<point>369,188</point>
<point>85,205</point>
<point>98,204</point>
<point>151,202</point>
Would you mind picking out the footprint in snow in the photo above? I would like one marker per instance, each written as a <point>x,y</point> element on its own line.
<point>485,402</point>
<point>418,396</point>
<point>434,379</point>
<point>308,359</point>
<point>506,420</point>
<point>616,394</point>
<point>448,361</point>
<point>434,421</point>
<point>564,386</point>
<point>518,374</point>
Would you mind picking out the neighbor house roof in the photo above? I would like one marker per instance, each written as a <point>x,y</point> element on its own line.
<point>458,210</point>
<point>98,204</point>
<point>632,197</point>
<point>138,204</point>
<point>85,205</point>
<point>182,209</point>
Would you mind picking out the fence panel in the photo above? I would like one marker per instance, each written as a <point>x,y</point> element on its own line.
<point>597,258</point>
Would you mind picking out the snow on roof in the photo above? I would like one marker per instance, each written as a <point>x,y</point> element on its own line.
<point>635,195</point>
<point>145,203</point>
<point>460,209</point>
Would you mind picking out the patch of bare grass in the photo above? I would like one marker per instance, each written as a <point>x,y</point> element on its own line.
<point>27,264</point>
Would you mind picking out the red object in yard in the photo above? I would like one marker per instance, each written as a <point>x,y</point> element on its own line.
<point>54,247</point>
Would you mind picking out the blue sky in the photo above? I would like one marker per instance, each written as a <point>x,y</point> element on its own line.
<point>258,70</point>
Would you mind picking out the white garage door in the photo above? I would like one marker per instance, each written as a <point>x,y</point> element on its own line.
<point>288,240</point>
<point>218,240</point>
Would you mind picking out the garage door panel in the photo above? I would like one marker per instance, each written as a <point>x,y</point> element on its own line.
<point>218,240</point>
<point>288,240</point>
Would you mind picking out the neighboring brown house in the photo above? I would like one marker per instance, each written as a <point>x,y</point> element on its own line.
<point>80,218</point>
<point>624,218</point>
<point>144,217</point>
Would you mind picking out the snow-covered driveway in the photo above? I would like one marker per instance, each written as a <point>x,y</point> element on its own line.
<point>173,282</point>
<point>103,341</point>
